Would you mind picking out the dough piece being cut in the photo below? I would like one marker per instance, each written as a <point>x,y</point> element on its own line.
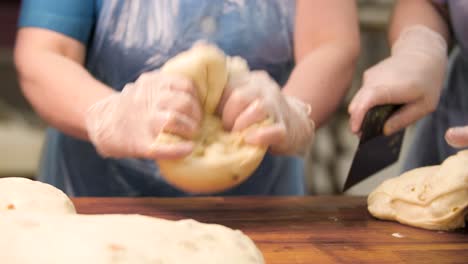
<point>120,239</point>
<point>21,194</point>
<point>221,159</point>
<point>433,197</point>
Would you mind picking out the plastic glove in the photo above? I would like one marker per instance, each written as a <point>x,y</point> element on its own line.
<point>126,124</point>
<point>457,137</point>
<point>412,75</point>
<point>256,97</point>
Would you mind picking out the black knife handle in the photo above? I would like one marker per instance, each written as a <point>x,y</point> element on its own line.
<point>375,119</point>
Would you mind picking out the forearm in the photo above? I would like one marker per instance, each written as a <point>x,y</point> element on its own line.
<point>417,12</point>
<point>58,87</point>
<point>322,77</point>
<point>326,47</point>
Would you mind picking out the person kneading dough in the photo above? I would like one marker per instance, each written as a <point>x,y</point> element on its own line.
<point>432,197</point>
<point>125,80</point>
<point>243,113</point>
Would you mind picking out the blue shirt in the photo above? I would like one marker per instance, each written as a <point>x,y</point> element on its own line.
<point>73,18</point>
<point>125,38</point>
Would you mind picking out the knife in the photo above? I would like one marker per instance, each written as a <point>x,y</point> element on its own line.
<point>375,150</point>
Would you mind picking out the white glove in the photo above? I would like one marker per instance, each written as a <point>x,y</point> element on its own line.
<point>412,75</point>
<point>254,98</point>
<point>126,124</point>
<point>457,137</point>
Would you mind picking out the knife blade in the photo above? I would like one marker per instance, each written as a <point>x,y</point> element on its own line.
<point>375,150</point>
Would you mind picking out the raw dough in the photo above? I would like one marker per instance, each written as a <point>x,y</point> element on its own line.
<point>221,160</point>
<point>21,194</point>
<point>119,239</point>
<point>433,197</point>
<point>39,224</point>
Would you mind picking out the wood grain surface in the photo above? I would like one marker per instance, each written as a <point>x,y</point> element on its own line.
<point>288,230</point>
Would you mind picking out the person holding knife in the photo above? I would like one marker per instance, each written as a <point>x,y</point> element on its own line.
<point>419,75</point>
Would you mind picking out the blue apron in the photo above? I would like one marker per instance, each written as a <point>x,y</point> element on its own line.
<point>429,146</point>
<point>132,37</point>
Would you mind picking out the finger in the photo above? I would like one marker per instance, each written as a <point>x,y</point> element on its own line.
<point>369,82</point>
<point>162,81</point>
<point>224,97</point>
<point>267,136</point>
<point>181,103</point>
<point>355,118</point>
<point>234,106</point>
<point>354,101</point>
<point>457,137</point>
<point>174,123</point>
<point>170,151</point>
<point>147,146</point>
<point>236,81</point>
<point>404,117</point>
<point>183,85</point>
<point>254,113</point>
<point>365,99</point>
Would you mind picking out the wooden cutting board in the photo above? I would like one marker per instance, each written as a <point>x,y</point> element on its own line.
<point>322,229</point>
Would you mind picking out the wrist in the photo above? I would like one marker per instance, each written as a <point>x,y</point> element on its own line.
<point>95,108</point>
<point>299,106</point>
<point>419,39</point>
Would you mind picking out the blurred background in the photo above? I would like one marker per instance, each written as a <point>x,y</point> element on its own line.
<point>22,132</point>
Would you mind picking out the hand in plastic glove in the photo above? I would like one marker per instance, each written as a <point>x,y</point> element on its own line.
<point>412,75</point>
<point>256,97</point>
<point>126,124</point>
<point>457,137</point>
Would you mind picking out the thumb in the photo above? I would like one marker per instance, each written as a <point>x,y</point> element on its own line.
<point>367,97</point>
<point>457,137</point>
<point>170,151</point>
<point>266,136</point>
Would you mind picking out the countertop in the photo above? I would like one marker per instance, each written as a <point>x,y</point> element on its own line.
<point>313,229</point>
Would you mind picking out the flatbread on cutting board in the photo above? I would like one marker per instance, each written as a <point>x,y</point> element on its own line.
<point>119,239</point>
<point>22,194</point>
<point>39,225</point>
<point>433,197</point>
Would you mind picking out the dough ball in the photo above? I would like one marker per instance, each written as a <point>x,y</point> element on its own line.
<point>432,197</point>
<point>221,160</point>
<point>120,239</point>
<point>206,66</point>
<point>22,194</point>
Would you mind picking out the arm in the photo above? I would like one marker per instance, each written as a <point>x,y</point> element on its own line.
<point>433,17</point>
<point>413,73</point>
<point>53,79</point>
<point>326,50</point>
<point>413,12</point>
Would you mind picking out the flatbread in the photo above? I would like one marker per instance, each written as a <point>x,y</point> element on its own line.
<point>22,194</point>
<point>119,239</point>
<point>39,225</point>
<point>433,197</point>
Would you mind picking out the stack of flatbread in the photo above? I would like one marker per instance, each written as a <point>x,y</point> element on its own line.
<point>39,225</point>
